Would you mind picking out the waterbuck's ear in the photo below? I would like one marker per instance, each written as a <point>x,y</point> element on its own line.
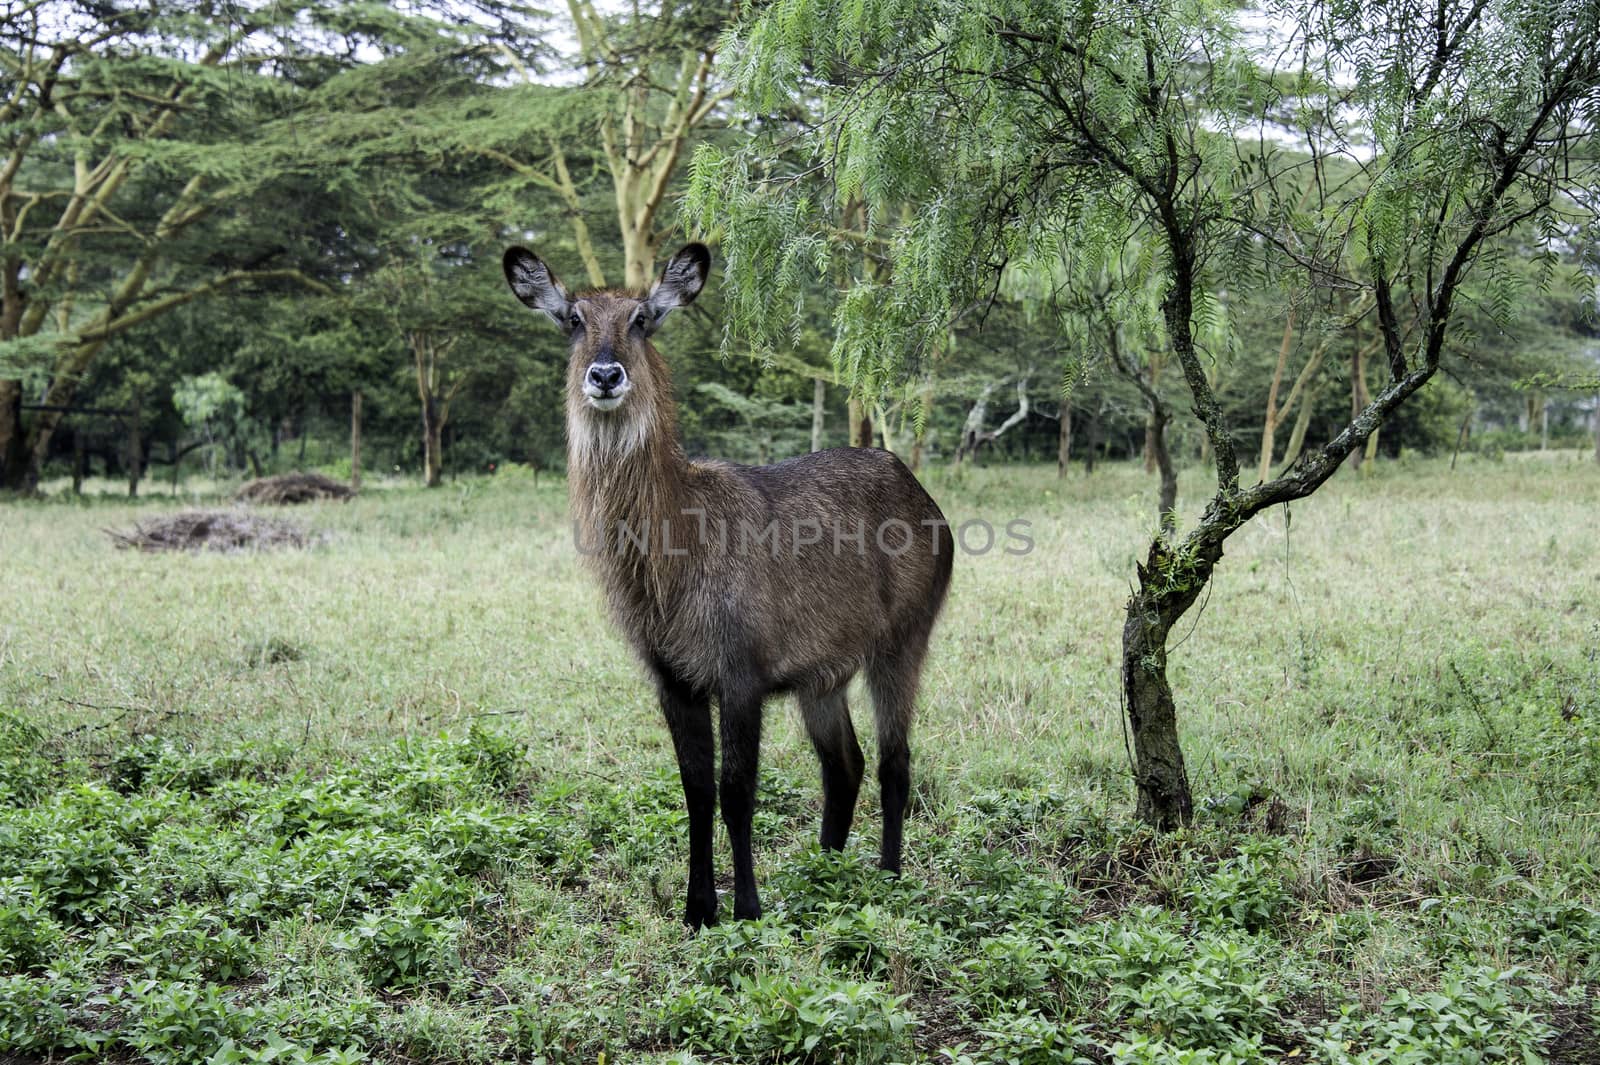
<point>536,286</point>
<point>680,282</point>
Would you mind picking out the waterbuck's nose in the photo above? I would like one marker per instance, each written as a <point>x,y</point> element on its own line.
<point>605,376</point>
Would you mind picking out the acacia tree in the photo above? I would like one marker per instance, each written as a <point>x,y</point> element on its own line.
<point>648,94</point>
<point>136,143</point>
<point>421,219</point>
<point>1029,132</point>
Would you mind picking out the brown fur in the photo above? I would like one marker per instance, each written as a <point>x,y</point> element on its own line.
<point>749,581</point>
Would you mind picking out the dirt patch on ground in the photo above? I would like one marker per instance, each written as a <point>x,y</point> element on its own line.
<point>293,488</point>
<point>212,530</point>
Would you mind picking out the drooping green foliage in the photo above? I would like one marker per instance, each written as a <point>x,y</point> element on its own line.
<point>948,131</point>
<point>940,145</point>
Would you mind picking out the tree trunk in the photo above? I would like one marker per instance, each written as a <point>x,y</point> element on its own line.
<point>1359,400</point>
<point>77,462</point>
<point>432,443</point>
<point>1461,438</point>
<point>1544,422</point>
<point>819,395</point>
<point>1269,428</point>
<point>429,355</point>
<point>1091,441</point>
<point>1166,505</point>
<point>1064,442</point>
<point>135,450</point>
<point>639,257</point>
<point>860,424</point>
<point>355,440</point>
<point>1597,426</point>
<point>13,445</point>
<point>972,429</point>
<point>1151,429</point>
<point>1302,422</point>
<point>1168,586</point>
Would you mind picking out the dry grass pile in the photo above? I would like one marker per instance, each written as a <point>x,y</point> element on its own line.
<point>293,488</point>
<point>212,530</point>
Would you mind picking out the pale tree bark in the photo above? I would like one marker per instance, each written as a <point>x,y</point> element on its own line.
<point>974,437</point>
<point>1359,398</point>
<point>1304,384</point>
<point>436,387</point>
<point>1270,425</point>
<point>1302,424</point>
<point>860,423</point>
<point>819,397</point>
<point>642,137</point>
<point>973,426</point>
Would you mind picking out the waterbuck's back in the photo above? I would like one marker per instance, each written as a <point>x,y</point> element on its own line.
<point>819,562</point>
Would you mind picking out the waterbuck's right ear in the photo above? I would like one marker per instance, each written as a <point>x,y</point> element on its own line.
<point>536,286</point>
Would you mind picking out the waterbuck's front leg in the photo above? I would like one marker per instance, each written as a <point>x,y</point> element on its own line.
<point>740,712</point>
<point>688,714</point>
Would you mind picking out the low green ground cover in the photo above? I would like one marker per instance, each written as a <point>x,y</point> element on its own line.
<point>403,797</point>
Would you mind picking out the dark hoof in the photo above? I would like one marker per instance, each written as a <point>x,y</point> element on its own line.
<point>747,909</point>
<point>700,912</point>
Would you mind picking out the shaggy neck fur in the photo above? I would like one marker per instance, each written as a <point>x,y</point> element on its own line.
<point>626,470</point>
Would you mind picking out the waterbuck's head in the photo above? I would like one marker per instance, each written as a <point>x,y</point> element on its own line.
<point>614,374</point>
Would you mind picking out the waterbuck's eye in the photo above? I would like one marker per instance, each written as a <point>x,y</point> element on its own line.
<point>573,321</point>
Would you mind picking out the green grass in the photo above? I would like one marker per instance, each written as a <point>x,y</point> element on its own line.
<point>404,796</point>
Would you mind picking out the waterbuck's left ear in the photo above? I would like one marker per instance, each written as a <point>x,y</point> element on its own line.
<point>680,282</point>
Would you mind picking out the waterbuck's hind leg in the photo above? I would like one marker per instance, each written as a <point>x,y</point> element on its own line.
<point>740,713</point>
<point>892,676</point>
<point>688,714</point>
<point>827,719</point>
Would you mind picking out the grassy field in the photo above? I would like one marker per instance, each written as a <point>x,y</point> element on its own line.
<point>403,796</point>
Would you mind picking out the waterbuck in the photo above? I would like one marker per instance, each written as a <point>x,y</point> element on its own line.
<point>736,582</point>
